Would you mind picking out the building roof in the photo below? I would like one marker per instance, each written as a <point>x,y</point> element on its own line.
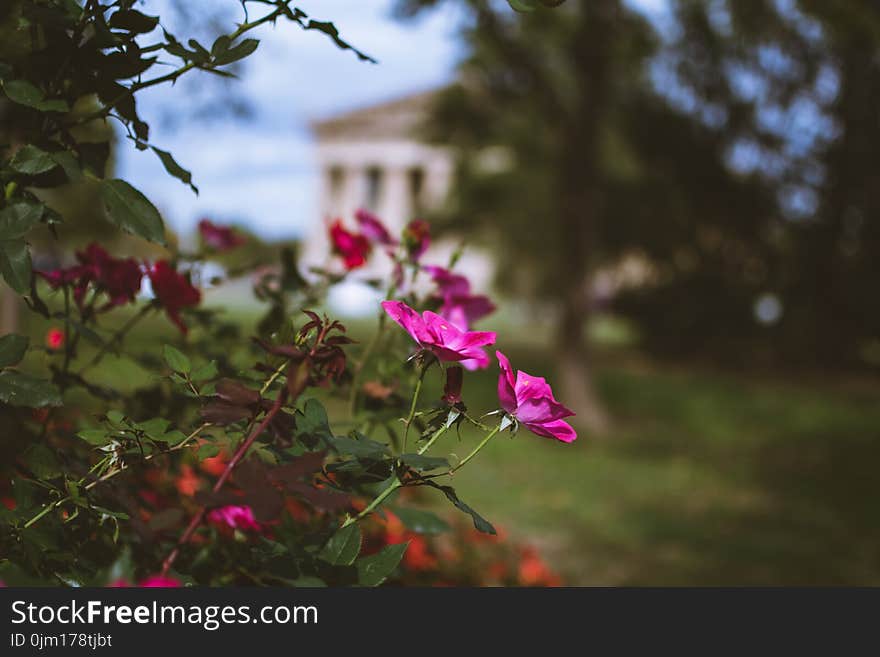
<point>399,118</point>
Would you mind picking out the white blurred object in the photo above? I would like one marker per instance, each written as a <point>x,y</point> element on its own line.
<point>353,299</point>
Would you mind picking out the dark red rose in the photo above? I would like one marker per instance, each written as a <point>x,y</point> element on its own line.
<point>174,291</point>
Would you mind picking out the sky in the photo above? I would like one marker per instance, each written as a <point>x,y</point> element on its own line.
<point>260,171</point>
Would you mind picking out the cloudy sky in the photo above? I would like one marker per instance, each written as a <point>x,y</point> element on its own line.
<point>260,171</point>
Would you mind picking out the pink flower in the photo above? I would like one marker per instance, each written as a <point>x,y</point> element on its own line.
<point>219,238</point>
<point>54,338</point>
<point>441,337</point>
<point>373,229</point>
<point>234,517</point>
<point>417,238</point>
<point>530,400</point>
<point>174,291</point>
<point>353,248</point>
<point>459,306</point>
<point>159,582</point>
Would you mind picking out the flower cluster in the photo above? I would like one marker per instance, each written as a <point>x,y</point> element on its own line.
<point>118,280</point>
<point>355,247</point>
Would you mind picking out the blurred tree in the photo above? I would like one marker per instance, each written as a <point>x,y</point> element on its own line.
<point>569,160</point>
<point>794,89</point>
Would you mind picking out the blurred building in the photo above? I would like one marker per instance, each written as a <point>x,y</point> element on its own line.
<point>374,158</point>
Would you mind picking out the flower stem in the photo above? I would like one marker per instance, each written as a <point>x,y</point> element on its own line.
<point>476,450</point>
<point>394,485</point>
<point>415,401</point>
<point>113,473</point>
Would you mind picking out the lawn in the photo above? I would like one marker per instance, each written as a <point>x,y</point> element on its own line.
<point>707,477</point>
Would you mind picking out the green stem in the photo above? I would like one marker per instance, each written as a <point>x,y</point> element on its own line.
<point>394,485</point>
<point>113,473</point>
<point>415,401</point>
<point>476,450</point>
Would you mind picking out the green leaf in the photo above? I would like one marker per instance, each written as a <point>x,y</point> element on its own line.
<point>176,360</point>
<point>173,437</point>
<point>480,523</point>
<point>207,451</point>
<point>67,161</point>
<point>17,389</point>
<point>24,93</point>
<point>422,463</point>
<point>42,461</point>
<point>15,264</point>
<point>421,522</point>
<point>173,168</point>
<point>155,427</point>
<point>133,21</point>
<point>313,421</point>
<point>97,437</point>
<point>31,161</point>
<point>343,547</point>
<point>228,55</point>
<point>361,448</point>
<point>375,569</point>
<point>205,372</point>
<point>116,417</point>
<point>12,349</point>
<point>132,211</point>
<point>17,219</point>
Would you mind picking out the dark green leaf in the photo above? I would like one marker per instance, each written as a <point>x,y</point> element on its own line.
<point>173,168</point>
<point>17,219</point>
<point>17,389</point>
<point>173,437</point>
<point>31,160</point>
<point>133,21</point>
<point>375,569</point>
<point>12,349</point>
<point>24,93</point>
<point>343,547</point>
<point>132,211</point>
<point>330,30</point>
<point>42,461</point>
<point>421,522</point>
<point>176,360</point>
<point>15,264</point>
<point>361,448</point>
<point>523,5</point>
<point>154,428</point>
<point>67,161</point>
<point>480,523</point>
<point>97,437</point>
<point>237,52</point>
<point>205,372</point>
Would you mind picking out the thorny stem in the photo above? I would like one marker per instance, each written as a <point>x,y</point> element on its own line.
<point>236,458</point>
<point>122,468</point>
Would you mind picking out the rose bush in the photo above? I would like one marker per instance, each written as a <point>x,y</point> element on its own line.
<point>224,468</point>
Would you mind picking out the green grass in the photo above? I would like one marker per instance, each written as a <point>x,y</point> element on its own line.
<point>706,478</point>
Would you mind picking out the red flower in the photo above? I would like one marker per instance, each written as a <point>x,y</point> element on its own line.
<point>417,238</point>
<point>219,238</point>
<point>54,338</point>
<point>173,291</point>
<point>119,278</point>
<point>353,248</point>
<point>188,482</point>
<point>418,555</point>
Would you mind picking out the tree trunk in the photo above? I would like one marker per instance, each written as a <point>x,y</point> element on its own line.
<point>580,205</point>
